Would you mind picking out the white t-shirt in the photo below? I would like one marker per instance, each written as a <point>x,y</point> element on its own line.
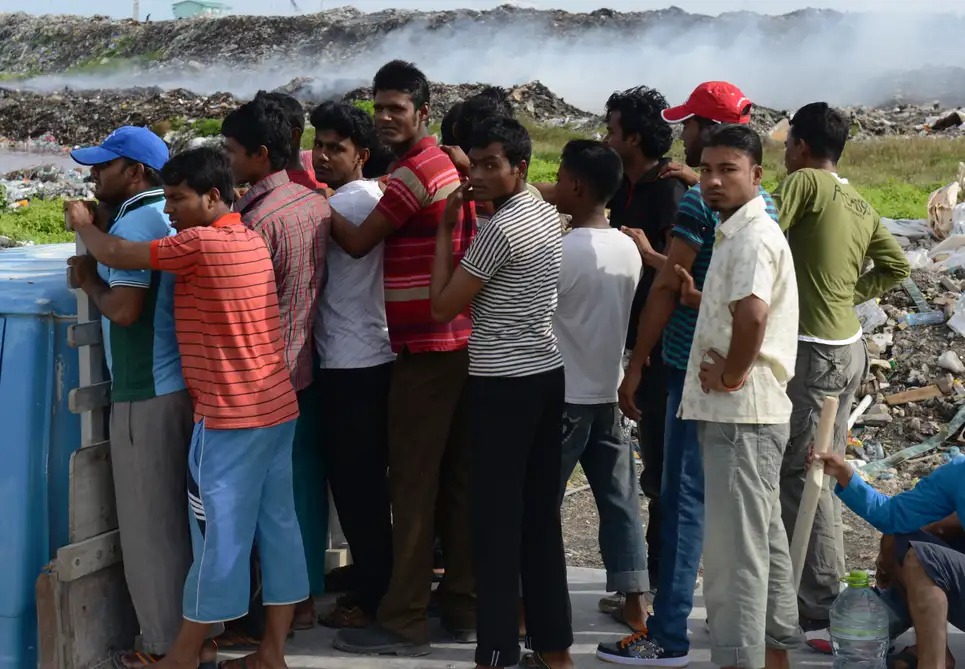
<point>350,327</point>
<point>517,254</point>
<point>598,278</point>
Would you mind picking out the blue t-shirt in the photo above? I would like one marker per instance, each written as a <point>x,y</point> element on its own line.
<point>696,224</point>
<point>143,357</point>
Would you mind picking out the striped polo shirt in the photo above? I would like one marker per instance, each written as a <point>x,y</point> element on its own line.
<point>517,254</point>
<point>414,202</point>
<point>142,357</point>
<point>695,225</point>
<point>228,325</point>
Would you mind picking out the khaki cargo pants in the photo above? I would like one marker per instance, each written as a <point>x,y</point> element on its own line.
<point>821,370</point>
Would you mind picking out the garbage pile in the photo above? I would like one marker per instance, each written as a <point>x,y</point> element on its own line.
<point>46,182</point>
<point>912,412</point>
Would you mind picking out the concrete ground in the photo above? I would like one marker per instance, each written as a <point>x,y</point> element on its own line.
<point>313,649</point>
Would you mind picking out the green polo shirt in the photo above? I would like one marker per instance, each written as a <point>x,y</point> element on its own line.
<point>831,229</point>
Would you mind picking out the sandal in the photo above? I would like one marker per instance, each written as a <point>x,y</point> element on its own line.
<point>533,661</point>
<point>137,658</point>
<point>346,615</point>
<point>237,663</point>
<point>234,640</point>
<point>908,655</point>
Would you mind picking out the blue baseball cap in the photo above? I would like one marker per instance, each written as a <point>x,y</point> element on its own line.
<point>137,144</point>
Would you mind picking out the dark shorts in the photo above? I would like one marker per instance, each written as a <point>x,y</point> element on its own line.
<point>944,562</point>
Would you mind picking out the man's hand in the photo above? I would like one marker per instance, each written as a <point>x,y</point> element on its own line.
<point>712,374</point>
<point>639,238</point>
<point>628,392</point>
<point>675,170</point>
<point>458,158</point>
<point>689,295</point>
<point>454,205</point>
<point>83,269</point>
<point>834,466</point>
<point>79,214</point>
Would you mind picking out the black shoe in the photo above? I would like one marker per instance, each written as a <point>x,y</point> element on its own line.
<point>376,640</point>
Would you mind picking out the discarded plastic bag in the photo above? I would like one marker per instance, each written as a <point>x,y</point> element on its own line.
<point>957,321</point>
<point>870,315</point>
<point>907,227</point>
<point>958,219</point>
<point>918,258</point>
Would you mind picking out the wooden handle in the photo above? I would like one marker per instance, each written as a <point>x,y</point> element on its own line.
<point>813,485</point>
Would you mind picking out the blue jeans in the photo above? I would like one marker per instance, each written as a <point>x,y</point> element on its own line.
<point>681,524</point>
<point>592,437</point>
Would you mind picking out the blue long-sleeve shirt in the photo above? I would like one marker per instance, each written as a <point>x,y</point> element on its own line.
<point>936,497</point>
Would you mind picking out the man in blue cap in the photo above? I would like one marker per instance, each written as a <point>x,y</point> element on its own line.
<point>152,414</point>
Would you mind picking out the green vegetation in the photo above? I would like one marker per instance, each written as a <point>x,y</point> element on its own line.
<point>896,175</point>
<point>41,222</point>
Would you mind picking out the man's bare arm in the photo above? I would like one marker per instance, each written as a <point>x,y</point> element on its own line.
<point>749,325</point>
<point>358,241</point>
<point>122,304</point>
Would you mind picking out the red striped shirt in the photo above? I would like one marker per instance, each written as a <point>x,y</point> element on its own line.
<point>228,326</point>
<point>414,202</point>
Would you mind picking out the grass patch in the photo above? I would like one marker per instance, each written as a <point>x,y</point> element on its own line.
<point>207,127</point>
<point>41,222</point>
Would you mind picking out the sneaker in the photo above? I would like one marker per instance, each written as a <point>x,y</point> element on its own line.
<point>376,640</point>
<point>638,650</point>
<point>819,640</point>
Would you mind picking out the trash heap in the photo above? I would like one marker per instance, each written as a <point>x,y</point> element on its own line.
<point>911,414</point>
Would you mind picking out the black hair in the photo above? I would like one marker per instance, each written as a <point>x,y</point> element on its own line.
<point>402,76</point>
<point>347,121</point>
<point>736,136</point>
<point>823,128</point>
<point>640,109</point>
<point>507,131</point>
<point>491,102</point>
<point>261,122</point>
<point>293,108</point>
<point>201,169</point>
<point>595,164</point>
<point>151,175</point>
<point>380,159</point>
<point>448,124</point>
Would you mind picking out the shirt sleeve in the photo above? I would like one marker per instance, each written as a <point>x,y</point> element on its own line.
<point>754,270</point>
<point>567,278</point>
<point>890,268</point>
<point>180,254</point>
<point>405,195</point>
<point>794,197</point>
<point>489,251</point>
<point>693,220</point>
<point>931,500</point>
<point>136,228</point>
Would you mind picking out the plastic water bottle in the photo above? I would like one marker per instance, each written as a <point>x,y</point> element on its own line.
<point>859,626</point>
<point>933,317</point>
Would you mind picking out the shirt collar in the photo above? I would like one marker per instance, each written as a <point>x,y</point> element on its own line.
<point>149,196</point>
<point>262,188</point>
<point>739,220</point>
<point>227,220</point>
<point>419,147</point>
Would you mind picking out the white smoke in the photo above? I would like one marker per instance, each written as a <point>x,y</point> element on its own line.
<point>780,62</point>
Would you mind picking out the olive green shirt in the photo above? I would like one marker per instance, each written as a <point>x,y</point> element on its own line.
<point>831,229</point>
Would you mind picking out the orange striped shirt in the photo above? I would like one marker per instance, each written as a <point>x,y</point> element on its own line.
<point>228,326</point>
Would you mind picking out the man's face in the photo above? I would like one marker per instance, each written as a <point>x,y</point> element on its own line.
<point>491,174</point>
<point>693,141</point>
<point>728,178</point>
<point>566,191</point>
<point>185,207</point>
<point>335,158</point>
<point>396,118</point>
<point>244,167</point>
<point>112,180</point>
<point>614,136</point>
<point>795,151</point>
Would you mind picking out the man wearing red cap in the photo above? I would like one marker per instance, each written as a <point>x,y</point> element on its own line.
<point>682,495</point>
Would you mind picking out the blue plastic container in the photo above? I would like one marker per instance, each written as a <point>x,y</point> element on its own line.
<point>37,433</point>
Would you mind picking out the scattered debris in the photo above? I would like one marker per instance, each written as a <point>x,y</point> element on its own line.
<point>914,395</point>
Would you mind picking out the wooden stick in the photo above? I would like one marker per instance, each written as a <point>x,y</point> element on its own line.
<point>813,485</point>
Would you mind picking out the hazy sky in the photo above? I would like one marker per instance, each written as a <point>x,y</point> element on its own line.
<point>161,9</point>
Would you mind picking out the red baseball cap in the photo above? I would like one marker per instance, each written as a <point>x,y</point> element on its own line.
<point>715,100</point>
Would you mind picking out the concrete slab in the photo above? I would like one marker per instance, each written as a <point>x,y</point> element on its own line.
<point>313,649</point>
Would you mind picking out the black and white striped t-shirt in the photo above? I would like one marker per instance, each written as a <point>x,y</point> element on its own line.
<point>518,255</point>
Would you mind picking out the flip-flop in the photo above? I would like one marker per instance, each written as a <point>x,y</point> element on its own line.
<point>129,659</point>
<point>234,640</point>
<point>236,663</point>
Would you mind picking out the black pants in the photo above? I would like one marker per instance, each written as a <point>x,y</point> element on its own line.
<point>652,402</point>
<point>516,462</point>
<point>354,441</point>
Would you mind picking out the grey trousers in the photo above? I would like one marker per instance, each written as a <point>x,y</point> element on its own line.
<point>149,455</point>
<point>748,583</point>
<point>821,371</point>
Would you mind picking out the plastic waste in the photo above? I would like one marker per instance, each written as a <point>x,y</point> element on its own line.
<point>925,318</point>
<point>906,227</point>
<point>859,626</point>
<point>918,258</point>
<point>957,321</point>
<point>870,315</point>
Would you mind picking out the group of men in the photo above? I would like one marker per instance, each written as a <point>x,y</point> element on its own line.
<point>451,339</point>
